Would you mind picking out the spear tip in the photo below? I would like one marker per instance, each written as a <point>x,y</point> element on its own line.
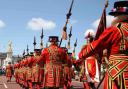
<point>106,3</point>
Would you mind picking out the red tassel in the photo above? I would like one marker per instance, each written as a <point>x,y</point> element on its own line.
<point>68,46</point>
<point>64,34</point>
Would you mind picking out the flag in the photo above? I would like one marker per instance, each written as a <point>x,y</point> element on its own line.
<point>101,27</point>
<point>102,24</point>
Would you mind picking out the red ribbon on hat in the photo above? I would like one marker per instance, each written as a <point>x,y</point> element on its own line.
<point>119,9</point>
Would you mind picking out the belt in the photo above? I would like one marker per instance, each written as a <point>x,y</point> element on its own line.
<point>118,57</point>
<point>124,51</point>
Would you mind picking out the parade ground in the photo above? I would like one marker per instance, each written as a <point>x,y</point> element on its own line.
<point>13,85</point>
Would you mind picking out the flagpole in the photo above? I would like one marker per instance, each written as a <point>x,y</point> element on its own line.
<point>101,28</point>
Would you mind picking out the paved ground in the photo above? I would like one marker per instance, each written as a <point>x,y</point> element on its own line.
<point>10,85</point>
<point>13,85</point>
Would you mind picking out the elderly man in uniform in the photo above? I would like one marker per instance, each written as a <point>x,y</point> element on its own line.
<point>90,70</point>
<point>36,76</point>
<point>30,60</point>
<point>9,72</point>
<point>53,57</point>
<point>69,73</point>
<point>115,40</point>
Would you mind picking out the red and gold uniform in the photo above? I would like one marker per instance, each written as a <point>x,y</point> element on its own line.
<point>37,70</point>
<point>112,39</point>
<point>90,69</point>
<point>53,58</point>
<point>68,72</point>
<point>40,74</point>
<point>30,61</point>
<point>18,67</point>
<point>20,73</point>
<point>29,67</point>
<point>16,72</point>
<point>9,70</point>
<point>25,72</point>
<point>90,72</point>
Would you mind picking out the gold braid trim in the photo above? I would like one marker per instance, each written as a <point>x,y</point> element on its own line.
<point>92,49</point>
<point>121,27</point>
<point>114,70</point>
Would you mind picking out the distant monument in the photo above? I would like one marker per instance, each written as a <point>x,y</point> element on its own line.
<point>9,54</point>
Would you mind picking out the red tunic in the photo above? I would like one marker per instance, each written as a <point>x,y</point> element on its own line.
<point>91,68</point>
<point>30,61</point>
<point>111,40</point>
<point>68,73</point>
<point>36,70</point>
<point>9,70</point>
<point>21,70</point>
<point>16,70</point>
<point>25,69</point>
<point>53,57</point>
<point>18,66</point>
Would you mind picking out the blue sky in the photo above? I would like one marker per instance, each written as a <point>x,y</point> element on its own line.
<point>18,17</point>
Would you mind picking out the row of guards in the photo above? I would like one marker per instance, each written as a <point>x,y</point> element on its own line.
<point>52,67</point>
<point>48,68</point>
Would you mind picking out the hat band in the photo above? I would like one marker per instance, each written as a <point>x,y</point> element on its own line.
<point>120,9</point>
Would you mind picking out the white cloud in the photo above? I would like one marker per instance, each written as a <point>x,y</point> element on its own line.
<point>72,22</point>
<point>109,19</point>
<point>92,32</point>
<point>39,23</point>
<point>2,24</point>
<point>96,23</point>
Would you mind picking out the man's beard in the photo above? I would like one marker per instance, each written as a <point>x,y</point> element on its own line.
<point>119,18</point>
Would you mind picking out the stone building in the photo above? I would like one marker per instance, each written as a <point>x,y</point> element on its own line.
<point>9,57</point>
<point>2,58</point>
